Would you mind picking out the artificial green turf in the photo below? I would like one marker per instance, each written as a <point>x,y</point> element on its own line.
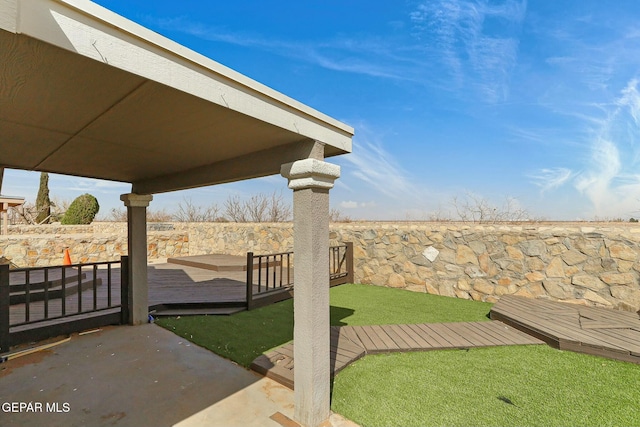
<point>376,305</point>
<point>240,337</point>
<point>501,386</point>
<point>244,336</point>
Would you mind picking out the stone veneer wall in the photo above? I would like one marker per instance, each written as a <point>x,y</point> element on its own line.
<point>31,246</point>
<point>595,265</point>
<point>592,264</point>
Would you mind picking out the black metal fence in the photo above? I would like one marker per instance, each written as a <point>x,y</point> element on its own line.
<point>40,302</point>
<point>341,264</point>
<point>270,277</point>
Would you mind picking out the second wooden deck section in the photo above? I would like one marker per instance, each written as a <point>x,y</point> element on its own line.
<point>598,331</point>
<point>516,321</point>
<point>350,343</point>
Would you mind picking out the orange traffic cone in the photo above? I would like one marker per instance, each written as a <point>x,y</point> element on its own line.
<point>67,258</point>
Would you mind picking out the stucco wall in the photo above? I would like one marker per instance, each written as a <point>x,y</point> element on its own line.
<point>594,264</point>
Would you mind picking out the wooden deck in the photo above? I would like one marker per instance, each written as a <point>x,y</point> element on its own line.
<point>168,284</point>
<point>350,343</point>
<point>173,283</point>
<point>597,331</point>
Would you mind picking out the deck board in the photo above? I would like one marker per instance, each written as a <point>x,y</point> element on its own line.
<point>597,331</point>
<point>410,343</point>
<point>482,333</point>
<point>430,335</point>
<point>349,343</point>
<point>364,338</point>
<point>372,333</point>
<point>519,322</point>
<point>505,333</point>
<point>416,335</point>
<point>454,340</point>
<point>491,333</point>
<point>570,331</point>
<point>351,335</point>
<point>388,342</point>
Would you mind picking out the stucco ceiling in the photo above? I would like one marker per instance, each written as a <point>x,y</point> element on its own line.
<point>85,92</point>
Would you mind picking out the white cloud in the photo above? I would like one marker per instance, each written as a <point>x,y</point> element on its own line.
<point>605,160</point>
<point>72,184</point>
<point>372,164</point>
<point>373,57</point>
<point>611,183</point>
<point>454,32</point>
<point>448,35</point>
<point>350,204</point>
<point>549,179</point>
<point>604,168</point>
<point>596,53</point>
<point>631,99</point>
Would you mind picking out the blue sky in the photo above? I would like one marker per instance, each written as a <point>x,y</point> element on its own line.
<point>536,101</point>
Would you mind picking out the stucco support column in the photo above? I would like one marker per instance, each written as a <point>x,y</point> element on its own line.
<point>5,208</point>
<point>310,180</point>
<point>137,242</point>
<point>5,218</point>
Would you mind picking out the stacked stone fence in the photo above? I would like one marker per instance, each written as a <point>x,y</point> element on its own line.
<point>594,265</point>
<point>584,263</point>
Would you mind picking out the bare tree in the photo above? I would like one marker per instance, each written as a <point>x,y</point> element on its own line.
<point>189,212</point>
<point>439,216</point>
<point>58,208</point>
<point>278,209</point>
<point>159,216</point>
<point>120,215</point>
<point>608,219</point>
<point>234,209</point>
<point>25,214</point>
<point>15,215</point>
<point>336,216</point>
<point>474,208</point>
<point>117,215</point>
<point>256,208</point>
<point>259,208</point>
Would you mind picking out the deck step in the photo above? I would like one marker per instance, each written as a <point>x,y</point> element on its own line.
<point>39,283</point>
<point>54,292</point>
<point>217,311</point>
<point>218,262</point>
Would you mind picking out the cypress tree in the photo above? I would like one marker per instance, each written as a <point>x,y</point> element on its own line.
<point>43,202</point>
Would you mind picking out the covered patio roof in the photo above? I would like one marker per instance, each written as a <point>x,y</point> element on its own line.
<point>87,92</point>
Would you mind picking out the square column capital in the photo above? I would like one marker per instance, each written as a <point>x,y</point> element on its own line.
<point>310,173</point>
<point>133,200</point>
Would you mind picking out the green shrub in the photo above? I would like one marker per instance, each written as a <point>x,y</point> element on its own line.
<point>82,210</point>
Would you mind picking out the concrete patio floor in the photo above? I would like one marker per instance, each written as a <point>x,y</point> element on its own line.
<point>139,376</point>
